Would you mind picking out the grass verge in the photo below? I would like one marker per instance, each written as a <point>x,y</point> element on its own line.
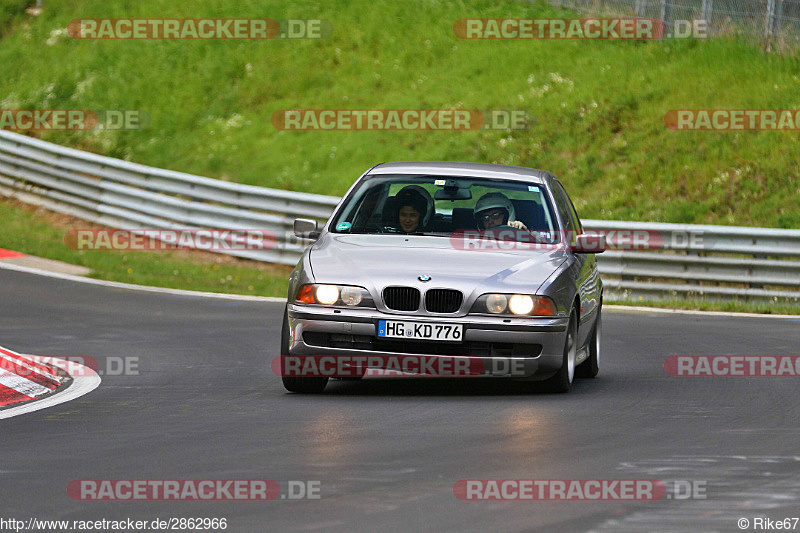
<point>41,233</point>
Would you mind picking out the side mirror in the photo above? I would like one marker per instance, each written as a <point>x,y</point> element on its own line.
<point>587,243</point>
<point>306,228</point>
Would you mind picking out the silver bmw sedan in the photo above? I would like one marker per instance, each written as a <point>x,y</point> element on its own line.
<point>445,269</point>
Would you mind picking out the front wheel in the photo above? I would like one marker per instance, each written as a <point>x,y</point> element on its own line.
<point>563,378</point>
<point>590,367</point>
<point>307,385</point>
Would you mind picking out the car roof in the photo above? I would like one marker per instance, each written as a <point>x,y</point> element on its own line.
<point>472,170</point>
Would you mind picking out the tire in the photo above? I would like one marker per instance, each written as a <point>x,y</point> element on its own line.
<point>590,367</point>
<point>562,380</point>
<point>310,385</point>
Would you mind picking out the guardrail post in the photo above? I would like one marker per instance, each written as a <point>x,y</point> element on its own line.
<point>691,252</point>
<point>750,271</point>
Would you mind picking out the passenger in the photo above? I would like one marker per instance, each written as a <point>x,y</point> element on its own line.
<point>495,211</point>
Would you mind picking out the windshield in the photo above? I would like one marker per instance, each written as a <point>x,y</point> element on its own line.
<point>442,205</point>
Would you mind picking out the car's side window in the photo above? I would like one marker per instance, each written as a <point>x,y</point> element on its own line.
<point>563,206</point>
<point>571,208</point>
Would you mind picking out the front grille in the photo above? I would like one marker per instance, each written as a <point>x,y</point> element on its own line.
<point>401,298</point>
<point>443,300</point>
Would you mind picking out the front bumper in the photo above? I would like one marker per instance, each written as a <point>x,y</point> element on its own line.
<point>529,346</point>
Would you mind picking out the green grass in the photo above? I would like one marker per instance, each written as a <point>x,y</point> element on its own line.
<point>10,12</point>
<point>597,106</point>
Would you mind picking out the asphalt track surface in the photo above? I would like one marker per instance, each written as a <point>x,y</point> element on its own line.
<point>387,452</point>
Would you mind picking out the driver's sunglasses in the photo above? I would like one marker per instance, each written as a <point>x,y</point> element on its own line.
<point>490,216</point>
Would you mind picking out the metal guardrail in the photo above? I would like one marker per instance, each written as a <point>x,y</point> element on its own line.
<point>685,261</point>
<point>715,262</point>
<point>121,194</point>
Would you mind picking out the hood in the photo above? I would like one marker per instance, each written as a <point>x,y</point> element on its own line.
<point>377,261</point>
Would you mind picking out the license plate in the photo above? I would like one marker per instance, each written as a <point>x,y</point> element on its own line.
<point>400,329</point>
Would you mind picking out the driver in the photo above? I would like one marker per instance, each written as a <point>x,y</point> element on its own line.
<point>411,210</point>
<point>495,211</point>
<point>427,215</point>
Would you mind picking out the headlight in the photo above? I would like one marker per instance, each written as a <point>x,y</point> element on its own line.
<point>327,294</point>
<point>496,303</point>
<point>515,304</point>
<point>337,295</point>
<point>352,295</point>
<point>520,304</point>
